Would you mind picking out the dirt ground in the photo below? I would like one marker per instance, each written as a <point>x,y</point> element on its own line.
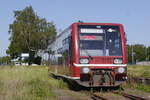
<point>80,95</point>
<point>71,95</point>
<point>139,93</point>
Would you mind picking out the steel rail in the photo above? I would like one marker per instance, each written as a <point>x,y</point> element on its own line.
<point>97,97</point>
<point>129,96</point>
<point>132,97</point>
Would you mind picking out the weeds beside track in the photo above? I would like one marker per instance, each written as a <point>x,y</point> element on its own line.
<point>27,83</point>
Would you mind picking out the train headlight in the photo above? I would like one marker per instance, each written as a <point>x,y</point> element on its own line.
<point>85,70</point>
<point>117,61</point>
<point>121,70</point>
<point>84,61</point>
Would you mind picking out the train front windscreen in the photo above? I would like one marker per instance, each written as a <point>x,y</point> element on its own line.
<point>99,40</point>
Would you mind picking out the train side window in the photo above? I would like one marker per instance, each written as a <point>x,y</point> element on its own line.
<point>70,48</point>
<point>63,42</point>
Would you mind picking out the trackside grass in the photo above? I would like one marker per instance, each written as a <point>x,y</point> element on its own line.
<point>138,72</point>
<point>28,83</point>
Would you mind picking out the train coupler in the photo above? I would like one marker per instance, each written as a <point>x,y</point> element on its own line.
<point>101,77</point>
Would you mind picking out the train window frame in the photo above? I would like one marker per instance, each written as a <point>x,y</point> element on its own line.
<point>71,50</point>
<point>118,31</point>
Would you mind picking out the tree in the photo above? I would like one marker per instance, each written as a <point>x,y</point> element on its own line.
<point>29,33</point>
<point>137,52</point>
<point>129,53</point>
<point>140,51</point>
<point>5,60</point>
<point>148,53</point>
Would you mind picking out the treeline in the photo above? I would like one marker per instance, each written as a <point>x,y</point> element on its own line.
<point>29,33</point>
<point>5,60</point>
<point>137,53</point>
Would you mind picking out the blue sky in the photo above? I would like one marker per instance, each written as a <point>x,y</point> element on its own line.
<point>133,14</point>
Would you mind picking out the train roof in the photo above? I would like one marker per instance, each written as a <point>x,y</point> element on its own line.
<point>89,23</point>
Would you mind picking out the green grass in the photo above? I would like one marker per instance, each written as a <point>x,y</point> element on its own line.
<point>28,83</point>
<point>137,72</point>
<point>134,85</point>
<point>65,70</point>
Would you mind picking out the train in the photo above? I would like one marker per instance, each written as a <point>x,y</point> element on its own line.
<point>95,53</point>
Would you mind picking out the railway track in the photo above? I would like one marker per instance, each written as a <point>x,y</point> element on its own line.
<point>126,95</point>
<point>97,97</point>
<point>130,96</point>
<point>141,80</point>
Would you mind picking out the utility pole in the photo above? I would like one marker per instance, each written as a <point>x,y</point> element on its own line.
<point>148,52</point>
<point>145,53</point>
<point>132,54</point>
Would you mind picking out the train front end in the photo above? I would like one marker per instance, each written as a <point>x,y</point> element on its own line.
<point>99,54</point>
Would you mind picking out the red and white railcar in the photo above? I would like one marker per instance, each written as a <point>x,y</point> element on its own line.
<point>95,53</point>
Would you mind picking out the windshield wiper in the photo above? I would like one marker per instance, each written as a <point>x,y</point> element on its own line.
<point>88,54</point>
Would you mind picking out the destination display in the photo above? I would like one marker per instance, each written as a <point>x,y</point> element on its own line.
<point>85,30</point>
<point>91,37</point>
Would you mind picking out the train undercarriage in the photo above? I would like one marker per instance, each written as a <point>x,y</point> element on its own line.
<point>96,78</point>
<point>101,77</point>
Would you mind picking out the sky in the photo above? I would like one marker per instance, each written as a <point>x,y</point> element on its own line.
<point>133,14</point>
